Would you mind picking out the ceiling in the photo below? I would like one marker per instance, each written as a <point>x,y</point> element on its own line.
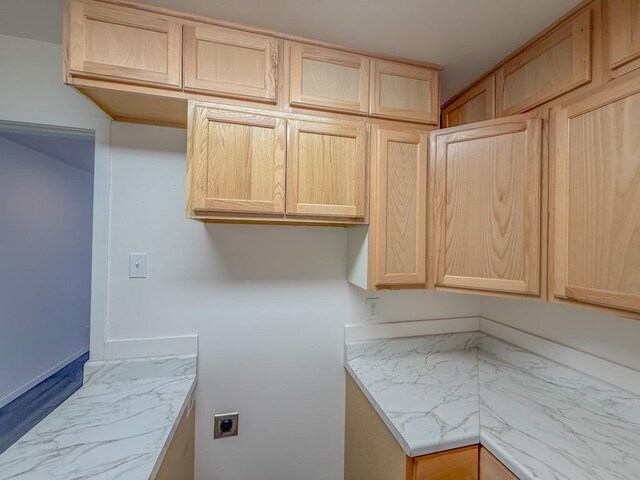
<point>73,147</point>
<point>466,36</point>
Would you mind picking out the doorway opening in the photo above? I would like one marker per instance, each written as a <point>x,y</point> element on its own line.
<point>46,219</point>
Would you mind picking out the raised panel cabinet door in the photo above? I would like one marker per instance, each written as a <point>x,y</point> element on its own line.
<point>487,205</point>
<point>492,469</point>
<point>558,63</point>
<point>325,78</point>
<point>227,62</point>
<point>624,31</point>
<point>326,168</point>
<point>458,464</point>
<point>596,180</point>
<point>398,215</point>
<point>475,105</point>
<point>404,92</point>
<point>237,161</point>
<point>119,43</point>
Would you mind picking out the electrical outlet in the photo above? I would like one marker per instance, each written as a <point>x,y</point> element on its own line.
<point>371,309</point>
<point>137,265</point>
<point>225,425</point>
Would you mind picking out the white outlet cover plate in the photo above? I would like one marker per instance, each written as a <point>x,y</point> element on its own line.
<point>372,306</point>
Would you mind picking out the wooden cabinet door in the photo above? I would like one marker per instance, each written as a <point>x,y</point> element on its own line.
<point>492,469</point>
<point>624,32</point>
<point>487,205</point>
<point>123,44</point>
<point>558,63</point>
<point>398,215</point>
<point>228,62</point>
<point>475,105</point>
<point>236,161</point>
<point>596,224</point>
<point>324,78</point>
<point>326,166</point>
<point>458,464</point>
<point>404,92</point>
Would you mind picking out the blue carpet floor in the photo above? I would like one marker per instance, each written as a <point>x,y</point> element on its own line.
<point>26,411</point>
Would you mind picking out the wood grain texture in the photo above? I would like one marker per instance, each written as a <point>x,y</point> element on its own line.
<point>228,62</point>
<point>624,32</point>
<point>398,218</point>
<point>492,469</point>
<point>557,64</point>
<point>116,43</point>
<point>404,92</point>
<point>486,208</point>
<point>238,161</point>
<point>596,185</point>
<point>475,105</point>
<point>370,450</point>
<point>178,461</point>
<point>323,78</point>
<point>326,168</point>
<point>458,464</point>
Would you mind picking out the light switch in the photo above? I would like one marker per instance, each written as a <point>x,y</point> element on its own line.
<point>137,265</point>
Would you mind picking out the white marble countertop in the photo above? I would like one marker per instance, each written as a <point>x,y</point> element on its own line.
<point>543,420</point>
<point>118,425</point>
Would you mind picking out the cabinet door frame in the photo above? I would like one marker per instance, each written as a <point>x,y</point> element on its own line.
<point>376,109</point>
<point>560,287</point>
<point>622,50</point>
<point>299,52</point>
<point>486,86</point>
<point>202,115</point>
<point>579,29</point>
<point>269,45</point>
<point>79,12</point>
<point>378,226</point>
<point>532,283</point>
<point>334,128</point>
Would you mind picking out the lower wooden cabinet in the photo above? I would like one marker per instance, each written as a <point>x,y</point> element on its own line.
<point>486,182</point>
<point>492,469</point>
<point>596,200</point>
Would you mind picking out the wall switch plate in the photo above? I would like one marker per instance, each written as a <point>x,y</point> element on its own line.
<point>371,309</point>
<point>137,265</point>
<point>225,425</point>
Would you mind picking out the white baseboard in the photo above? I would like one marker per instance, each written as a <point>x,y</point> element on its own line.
<point>377,331</point>
<point>587,363</point>
<point>43,376</point>
<point>150,347</point>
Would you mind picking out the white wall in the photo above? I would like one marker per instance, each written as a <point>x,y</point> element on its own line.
<point>45,254</point>
<point>606,336</point>
<point>268,302</point>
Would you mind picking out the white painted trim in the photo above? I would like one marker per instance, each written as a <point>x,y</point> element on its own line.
<point>150,347</point>
<point>589,364</point>
<point>101,126</point>
<point>43,376</point>
<point>376,331</point>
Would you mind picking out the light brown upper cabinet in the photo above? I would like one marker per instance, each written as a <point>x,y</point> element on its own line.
<point>596,224</point>
<point>398,216</point>
<point>404,92</point>
<point>236,162</point>
<point>119,43</point>
<point>624,32</point>
<point>558,63</point>
<point>486,190</point>
<point>475,105</point>
<point>326,168</point>
<point>228,62</point>
<point>328,79</point>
